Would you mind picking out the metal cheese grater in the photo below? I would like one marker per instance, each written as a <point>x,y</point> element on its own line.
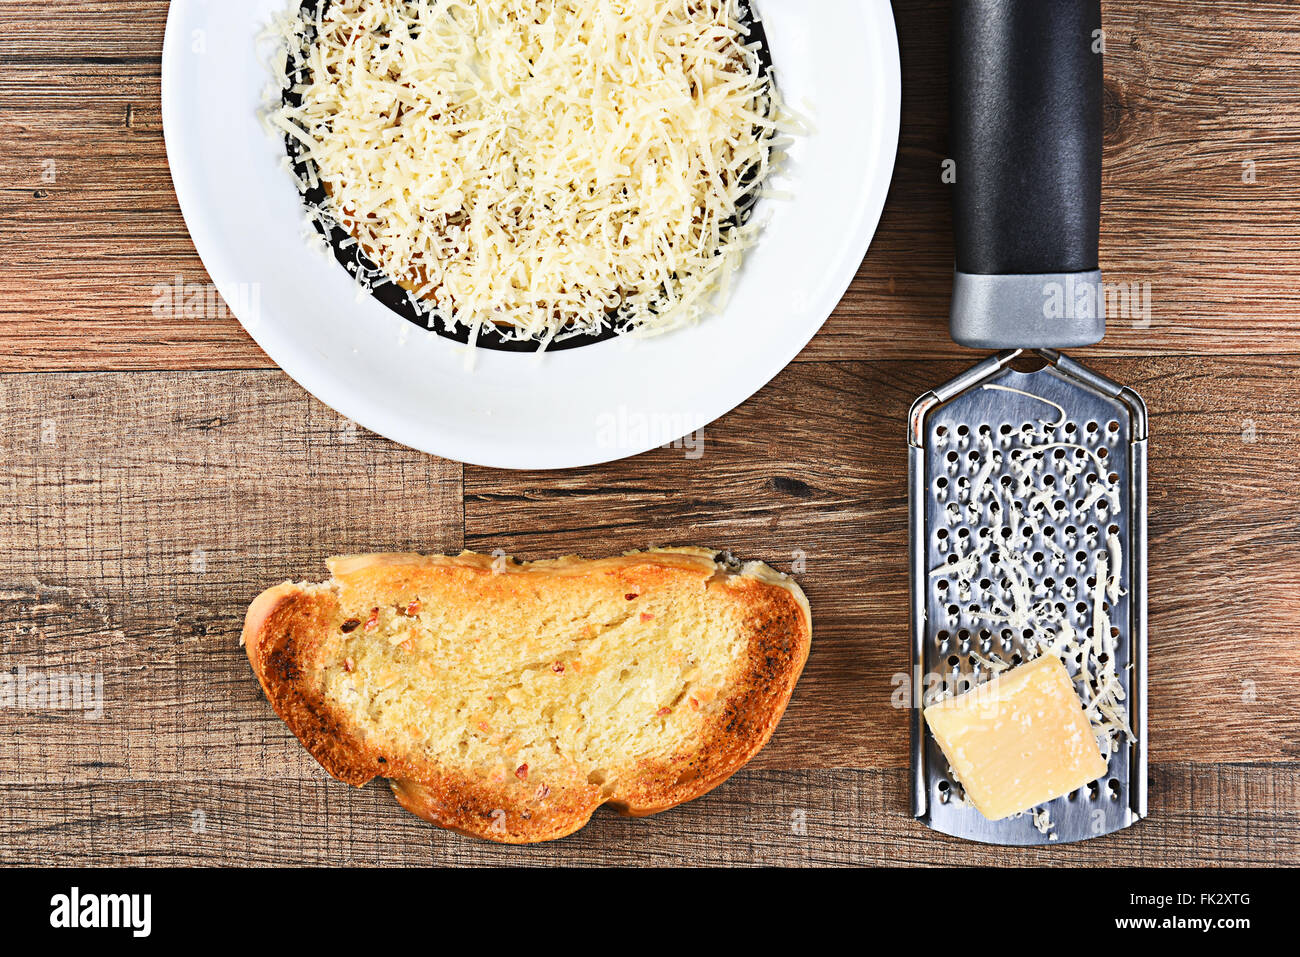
<point>1028,488</point>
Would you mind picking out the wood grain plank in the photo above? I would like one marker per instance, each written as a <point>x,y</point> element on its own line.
<point>1216,815</point>
<point>139,514</point>
<point>813,470</point>
<point>91,230</point>
<point>1193,96</point>
<point>81,30</point>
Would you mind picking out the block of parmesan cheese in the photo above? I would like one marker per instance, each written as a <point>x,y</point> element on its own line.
<point>1019,740</point>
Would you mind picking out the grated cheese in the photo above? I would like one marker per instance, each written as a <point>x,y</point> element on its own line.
<point>1043,822</point>
<point>552,166</point>
<point>1021,601</point>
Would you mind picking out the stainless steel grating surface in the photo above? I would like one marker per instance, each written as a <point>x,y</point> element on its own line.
<point>998,529</point>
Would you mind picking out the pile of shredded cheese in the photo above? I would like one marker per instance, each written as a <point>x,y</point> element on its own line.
<point>1020,599</point>
<point>553,165</point>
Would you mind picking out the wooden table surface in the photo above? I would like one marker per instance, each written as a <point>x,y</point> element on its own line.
<point>157,473</point>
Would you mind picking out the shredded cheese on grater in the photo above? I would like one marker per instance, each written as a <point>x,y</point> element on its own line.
<point>1021,601</point>
<point>551,165</point>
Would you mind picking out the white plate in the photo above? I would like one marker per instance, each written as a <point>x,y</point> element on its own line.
<point>836,62</point>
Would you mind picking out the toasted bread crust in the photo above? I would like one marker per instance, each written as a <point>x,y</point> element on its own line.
<point>281,632</point>
<point>284,629</point>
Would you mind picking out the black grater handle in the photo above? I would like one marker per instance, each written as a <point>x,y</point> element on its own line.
<point>1027,141</point>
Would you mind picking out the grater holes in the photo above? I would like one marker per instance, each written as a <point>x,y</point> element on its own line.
<point>1005,505</point>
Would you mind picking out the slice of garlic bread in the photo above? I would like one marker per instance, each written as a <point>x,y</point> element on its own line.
<point>509,701</point>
